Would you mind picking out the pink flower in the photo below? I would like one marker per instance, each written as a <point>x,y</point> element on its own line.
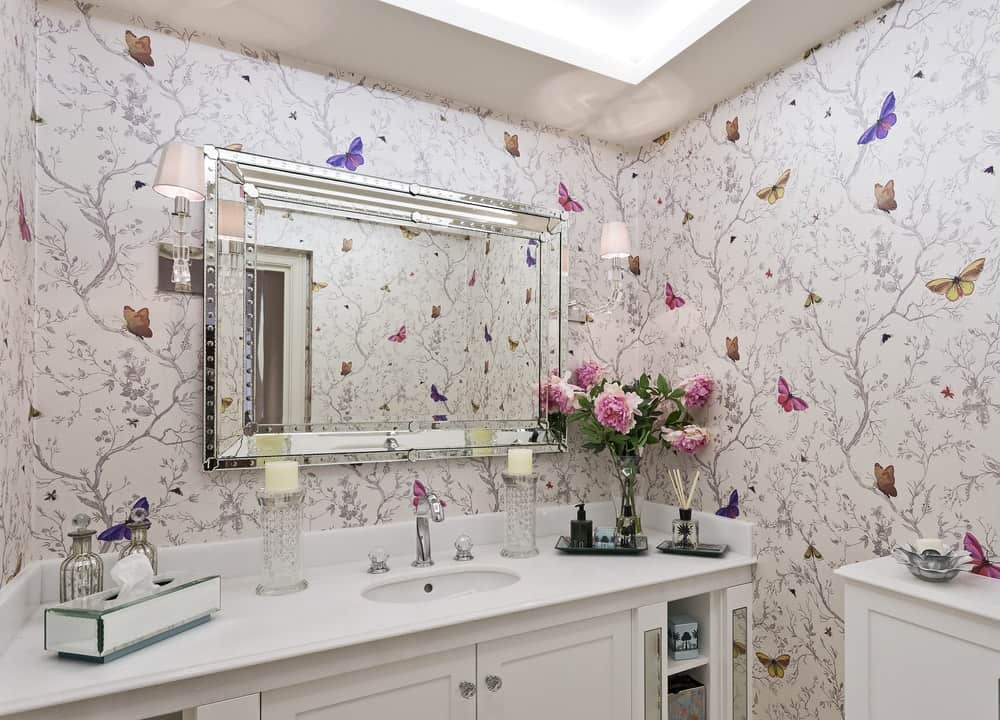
<point>697,390</point>
<point>557,394</point>
<point>616,409</point>
<point>690,439</point>
<point>588,374</point>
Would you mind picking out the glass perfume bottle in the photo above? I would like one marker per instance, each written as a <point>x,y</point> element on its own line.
<point>82,572</point>
<point>139,525</point>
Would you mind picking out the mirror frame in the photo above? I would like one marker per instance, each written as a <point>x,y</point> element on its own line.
<point>225,164</point>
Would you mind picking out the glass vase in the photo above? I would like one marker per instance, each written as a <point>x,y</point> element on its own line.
<point>281,535</point>
<point>519,500</point>
<point>626,493</point>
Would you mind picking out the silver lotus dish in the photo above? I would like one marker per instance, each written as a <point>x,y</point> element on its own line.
<point>931,565</point>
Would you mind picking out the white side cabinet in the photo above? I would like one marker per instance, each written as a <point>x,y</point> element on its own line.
<point>737,645</point>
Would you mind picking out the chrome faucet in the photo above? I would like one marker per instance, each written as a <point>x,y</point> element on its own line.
<point>428,505</point>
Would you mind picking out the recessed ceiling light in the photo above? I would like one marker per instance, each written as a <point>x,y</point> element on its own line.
<point>627,40</point>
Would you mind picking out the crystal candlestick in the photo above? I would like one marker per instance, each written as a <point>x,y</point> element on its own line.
<point>281,533</point>
<point>519,496</point>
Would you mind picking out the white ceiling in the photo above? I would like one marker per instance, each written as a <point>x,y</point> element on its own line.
<point>571,81</point>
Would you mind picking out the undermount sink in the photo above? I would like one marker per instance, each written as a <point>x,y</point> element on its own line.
<point>444,584</point>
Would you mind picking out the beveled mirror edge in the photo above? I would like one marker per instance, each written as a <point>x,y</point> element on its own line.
<point>557,228</point>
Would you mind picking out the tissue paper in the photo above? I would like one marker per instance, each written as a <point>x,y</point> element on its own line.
<point>134,576</point>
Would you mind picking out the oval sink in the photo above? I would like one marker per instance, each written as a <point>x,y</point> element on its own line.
<point>445,584</point>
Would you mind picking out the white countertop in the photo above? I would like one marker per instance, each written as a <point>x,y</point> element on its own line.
<point>332,614</point>
<point>967,593</point>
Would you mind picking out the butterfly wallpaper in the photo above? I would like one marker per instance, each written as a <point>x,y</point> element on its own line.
<point>17,207</point>
<point>120,413</point>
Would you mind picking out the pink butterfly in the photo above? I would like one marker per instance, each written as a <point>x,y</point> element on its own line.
<point>785,398</point>
<point>419,491</point>
<point>568,203</point>
<point>673,301</point>
<point>472,280</point>
<point>22,220</point>
<point>980,563</point>
<point>399,336</point>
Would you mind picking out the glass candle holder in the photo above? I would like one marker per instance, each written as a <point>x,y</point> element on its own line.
<point>519,499</point>
<point>281,535</point>
<point>685,530</point>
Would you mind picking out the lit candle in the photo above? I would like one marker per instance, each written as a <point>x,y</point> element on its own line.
<point>922,544</point>
<point>481,440</point>
<point>519,461</point>
<point>281,476</point>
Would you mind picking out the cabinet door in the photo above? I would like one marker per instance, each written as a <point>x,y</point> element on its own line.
<point>246,707</point>
<point>736,652</point>
<point>433,687</point>
<point>580,670</point>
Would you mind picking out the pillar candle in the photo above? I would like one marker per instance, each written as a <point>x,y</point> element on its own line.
<point>281,476</point>
<point>519,461</point>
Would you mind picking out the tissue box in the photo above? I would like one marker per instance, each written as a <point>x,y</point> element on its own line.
<point>99,629</point>
<point>685,698</point>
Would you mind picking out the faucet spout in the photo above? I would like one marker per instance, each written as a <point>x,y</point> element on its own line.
<point>429,506</point>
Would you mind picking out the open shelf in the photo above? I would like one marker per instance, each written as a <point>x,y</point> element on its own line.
<point>679,666</point>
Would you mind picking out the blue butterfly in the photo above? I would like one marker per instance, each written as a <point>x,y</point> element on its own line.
<point>486,334</point>
<point>121,531</point>
<point>886,119</point>
<point>732,510</point>
<point>350,160</point>
<point>528,257</point>
<point>436,396</point>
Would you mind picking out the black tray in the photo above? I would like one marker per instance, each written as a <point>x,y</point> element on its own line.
<point>563,545</point>
<point>703,550</point>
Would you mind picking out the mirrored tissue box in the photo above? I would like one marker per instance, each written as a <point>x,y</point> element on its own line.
<point>101,628</point>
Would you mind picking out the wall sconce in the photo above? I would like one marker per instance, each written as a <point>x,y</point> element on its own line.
<point>181,177</point>
<point>616,247</point>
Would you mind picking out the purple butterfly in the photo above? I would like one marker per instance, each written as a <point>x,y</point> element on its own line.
<point>350,160</point>
<point>732,510</point>
<point>121,531</point>
<point>436,396</point>
<point>486,334</point>
<point>529,258</point>
<point>419,491</point>
<point>886,119</point>
<point>440,418</point>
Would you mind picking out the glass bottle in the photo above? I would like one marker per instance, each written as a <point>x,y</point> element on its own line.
<point>82,572</point>
<point>139,525</point>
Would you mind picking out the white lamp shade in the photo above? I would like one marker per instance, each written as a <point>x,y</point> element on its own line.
<point>614,240</point>
<point>231,218</point>
<point>181,172</point>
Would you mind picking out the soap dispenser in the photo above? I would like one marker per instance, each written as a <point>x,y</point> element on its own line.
<point>581,530</point>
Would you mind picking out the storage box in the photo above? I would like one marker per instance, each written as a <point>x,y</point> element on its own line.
<point>98,628</point>
<point>685,698</point>
<point>682,631</point>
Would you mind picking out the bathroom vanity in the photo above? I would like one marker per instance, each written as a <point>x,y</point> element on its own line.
<point>555,636</point>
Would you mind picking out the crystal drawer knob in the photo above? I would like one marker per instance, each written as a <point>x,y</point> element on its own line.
<point>466,689</point>
<point>493,683</point>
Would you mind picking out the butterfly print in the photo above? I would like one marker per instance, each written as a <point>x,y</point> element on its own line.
<point>792,103</point>
<point>777,191</point>
<point>510,144</point>
<point>919,74</point>
<point>33,412</point>
<point>235,147</point>
<point>50,495</point>
<point>673,301</point>
<point>885,338</point>
<point>420,491</point>
<point>886,119</point>
<point>635,175</point>
<point>345,367</point>
<point>472,279</point>
<point>346,245</point>
<point>439,418</point>
<point>733,348</point>
<point>733,129</point>
<point>139,48</point>
<point>245,77</point>
<point>527,296</point>
<point>529,258</point>
<point>947,392</point>
<point>568,203</point>
<point>775,666</point>
<point>435,312</point>
<point>225,403</point>
<point>132,422</point>
<point>436,396</point>
<point>121,531</point>
<point>809,53</point>
<point>828,113</point>
<point>399,336</point>
<point>176,491</point>
<point>486,334</point>
<point>293,115</point>
<point>732,508</point>
<point>138,185</point>
<point>475,406</point>
<point>36,118</point>
<point>989,170</point>
<point>409,234</point>
<point>486,367</point>
<point>881,19</point>
<point>350,160</point>
<point>319,285</point>
<point>828,632</point>
<point>662,139</point>
<point>633,264</point>
<point>788,401</point>
<point>512,343</point>
<point>769,274</point>
<point>981,564</point>
<point>739,648</point>
<point>885,480</point>
<point>812,299</point>
<point>885,196</point>
<point>812,553</point>
<point>137,321</point>
<point>688,217</point>
<point>22,219</point>
<point>961,285</point>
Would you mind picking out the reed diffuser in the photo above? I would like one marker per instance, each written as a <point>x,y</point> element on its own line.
<point>685,528</point>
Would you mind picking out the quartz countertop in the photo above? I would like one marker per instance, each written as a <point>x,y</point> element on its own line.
<point>331,614</point>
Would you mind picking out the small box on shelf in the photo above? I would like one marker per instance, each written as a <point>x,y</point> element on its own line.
<point>682,631</point>
<point>685,698</point>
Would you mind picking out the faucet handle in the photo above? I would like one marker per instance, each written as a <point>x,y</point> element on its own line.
<point>463,548</point>
<point>379,558</point>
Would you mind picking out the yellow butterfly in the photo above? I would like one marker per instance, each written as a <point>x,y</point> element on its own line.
<point>319,285</point>
<point>775,666</point>
<point>813,299</point>
<point>408,233</point>
<point>346,245</point>
<point>739,648</point>
<point>475,406</point>
<point>812,553</point>
<point>225,403</point>
<point>688,217</point>
<point>777,191</point>
<point>662,139</point>
<point>235,147</point>
<point>512,343</point>
<point>961,285</point>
